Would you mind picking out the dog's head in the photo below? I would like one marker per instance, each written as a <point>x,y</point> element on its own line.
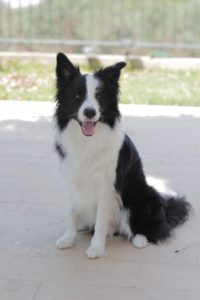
<point>88,99</point>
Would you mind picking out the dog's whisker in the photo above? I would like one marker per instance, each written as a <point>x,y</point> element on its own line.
<point>69,116</point>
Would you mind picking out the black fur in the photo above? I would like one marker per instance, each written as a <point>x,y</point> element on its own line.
<point>109,93</point>
<point>71,91</point>
<point>60,150</point>
<point>151,214</point>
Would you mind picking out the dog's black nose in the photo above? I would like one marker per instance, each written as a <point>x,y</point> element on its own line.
<point>89,112</point>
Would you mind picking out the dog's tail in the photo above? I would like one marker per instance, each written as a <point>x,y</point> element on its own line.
<point>161,213</point>
<point>176,207</point>
<point>177,210</point>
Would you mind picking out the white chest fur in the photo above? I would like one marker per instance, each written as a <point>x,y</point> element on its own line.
<point>89,169</point>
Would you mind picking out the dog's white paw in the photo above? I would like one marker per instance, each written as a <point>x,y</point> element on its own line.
<point>65,242</point>
<point>95,252</point>
<point>139,241</point>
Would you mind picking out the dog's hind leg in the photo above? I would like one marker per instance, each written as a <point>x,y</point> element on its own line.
<point>140,241</point>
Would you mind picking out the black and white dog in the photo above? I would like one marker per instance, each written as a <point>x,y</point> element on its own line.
<point>106,187</point>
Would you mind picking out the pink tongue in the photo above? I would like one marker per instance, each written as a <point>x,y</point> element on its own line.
<point>88,128</point>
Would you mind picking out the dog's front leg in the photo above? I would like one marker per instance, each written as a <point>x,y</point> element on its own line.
<point>98,243</point>
<point>68,239</point>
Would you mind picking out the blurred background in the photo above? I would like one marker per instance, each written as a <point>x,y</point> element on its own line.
<point>32,31</point>
<point>105,26</point>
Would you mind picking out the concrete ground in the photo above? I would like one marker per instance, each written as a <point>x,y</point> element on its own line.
<point>32,212</point>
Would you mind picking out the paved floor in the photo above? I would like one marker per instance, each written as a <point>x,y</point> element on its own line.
<point>32,213</point>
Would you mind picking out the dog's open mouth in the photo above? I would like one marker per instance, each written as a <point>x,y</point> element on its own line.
<point>88,128</point>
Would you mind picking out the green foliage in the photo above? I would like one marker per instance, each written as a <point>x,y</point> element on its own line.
<point>162,87</point>
<point>158,21</point>
<point>25,80</point>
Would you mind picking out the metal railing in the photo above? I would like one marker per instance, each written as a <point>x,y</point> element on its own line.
<point>101,25</point>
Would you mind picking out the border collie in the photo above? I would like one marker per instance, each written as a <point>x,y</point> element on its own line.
<point>107,190</point>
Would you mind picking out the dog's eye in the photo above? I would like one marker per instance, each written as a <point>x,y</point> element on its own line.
<point>98,95</point>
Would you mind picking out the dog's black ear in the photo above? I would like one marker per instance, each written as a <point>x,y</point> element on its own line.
<point>65,70</point>
<point>112,73</point>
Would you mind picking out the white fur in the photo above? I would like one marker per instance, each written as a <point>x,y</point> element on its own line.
<point>90,102</point>
<point>89,172</point>
<point>139,241</point>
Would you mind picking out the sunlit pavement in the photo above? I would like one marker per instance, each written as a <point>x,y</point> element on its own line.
<point>32,212</point>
